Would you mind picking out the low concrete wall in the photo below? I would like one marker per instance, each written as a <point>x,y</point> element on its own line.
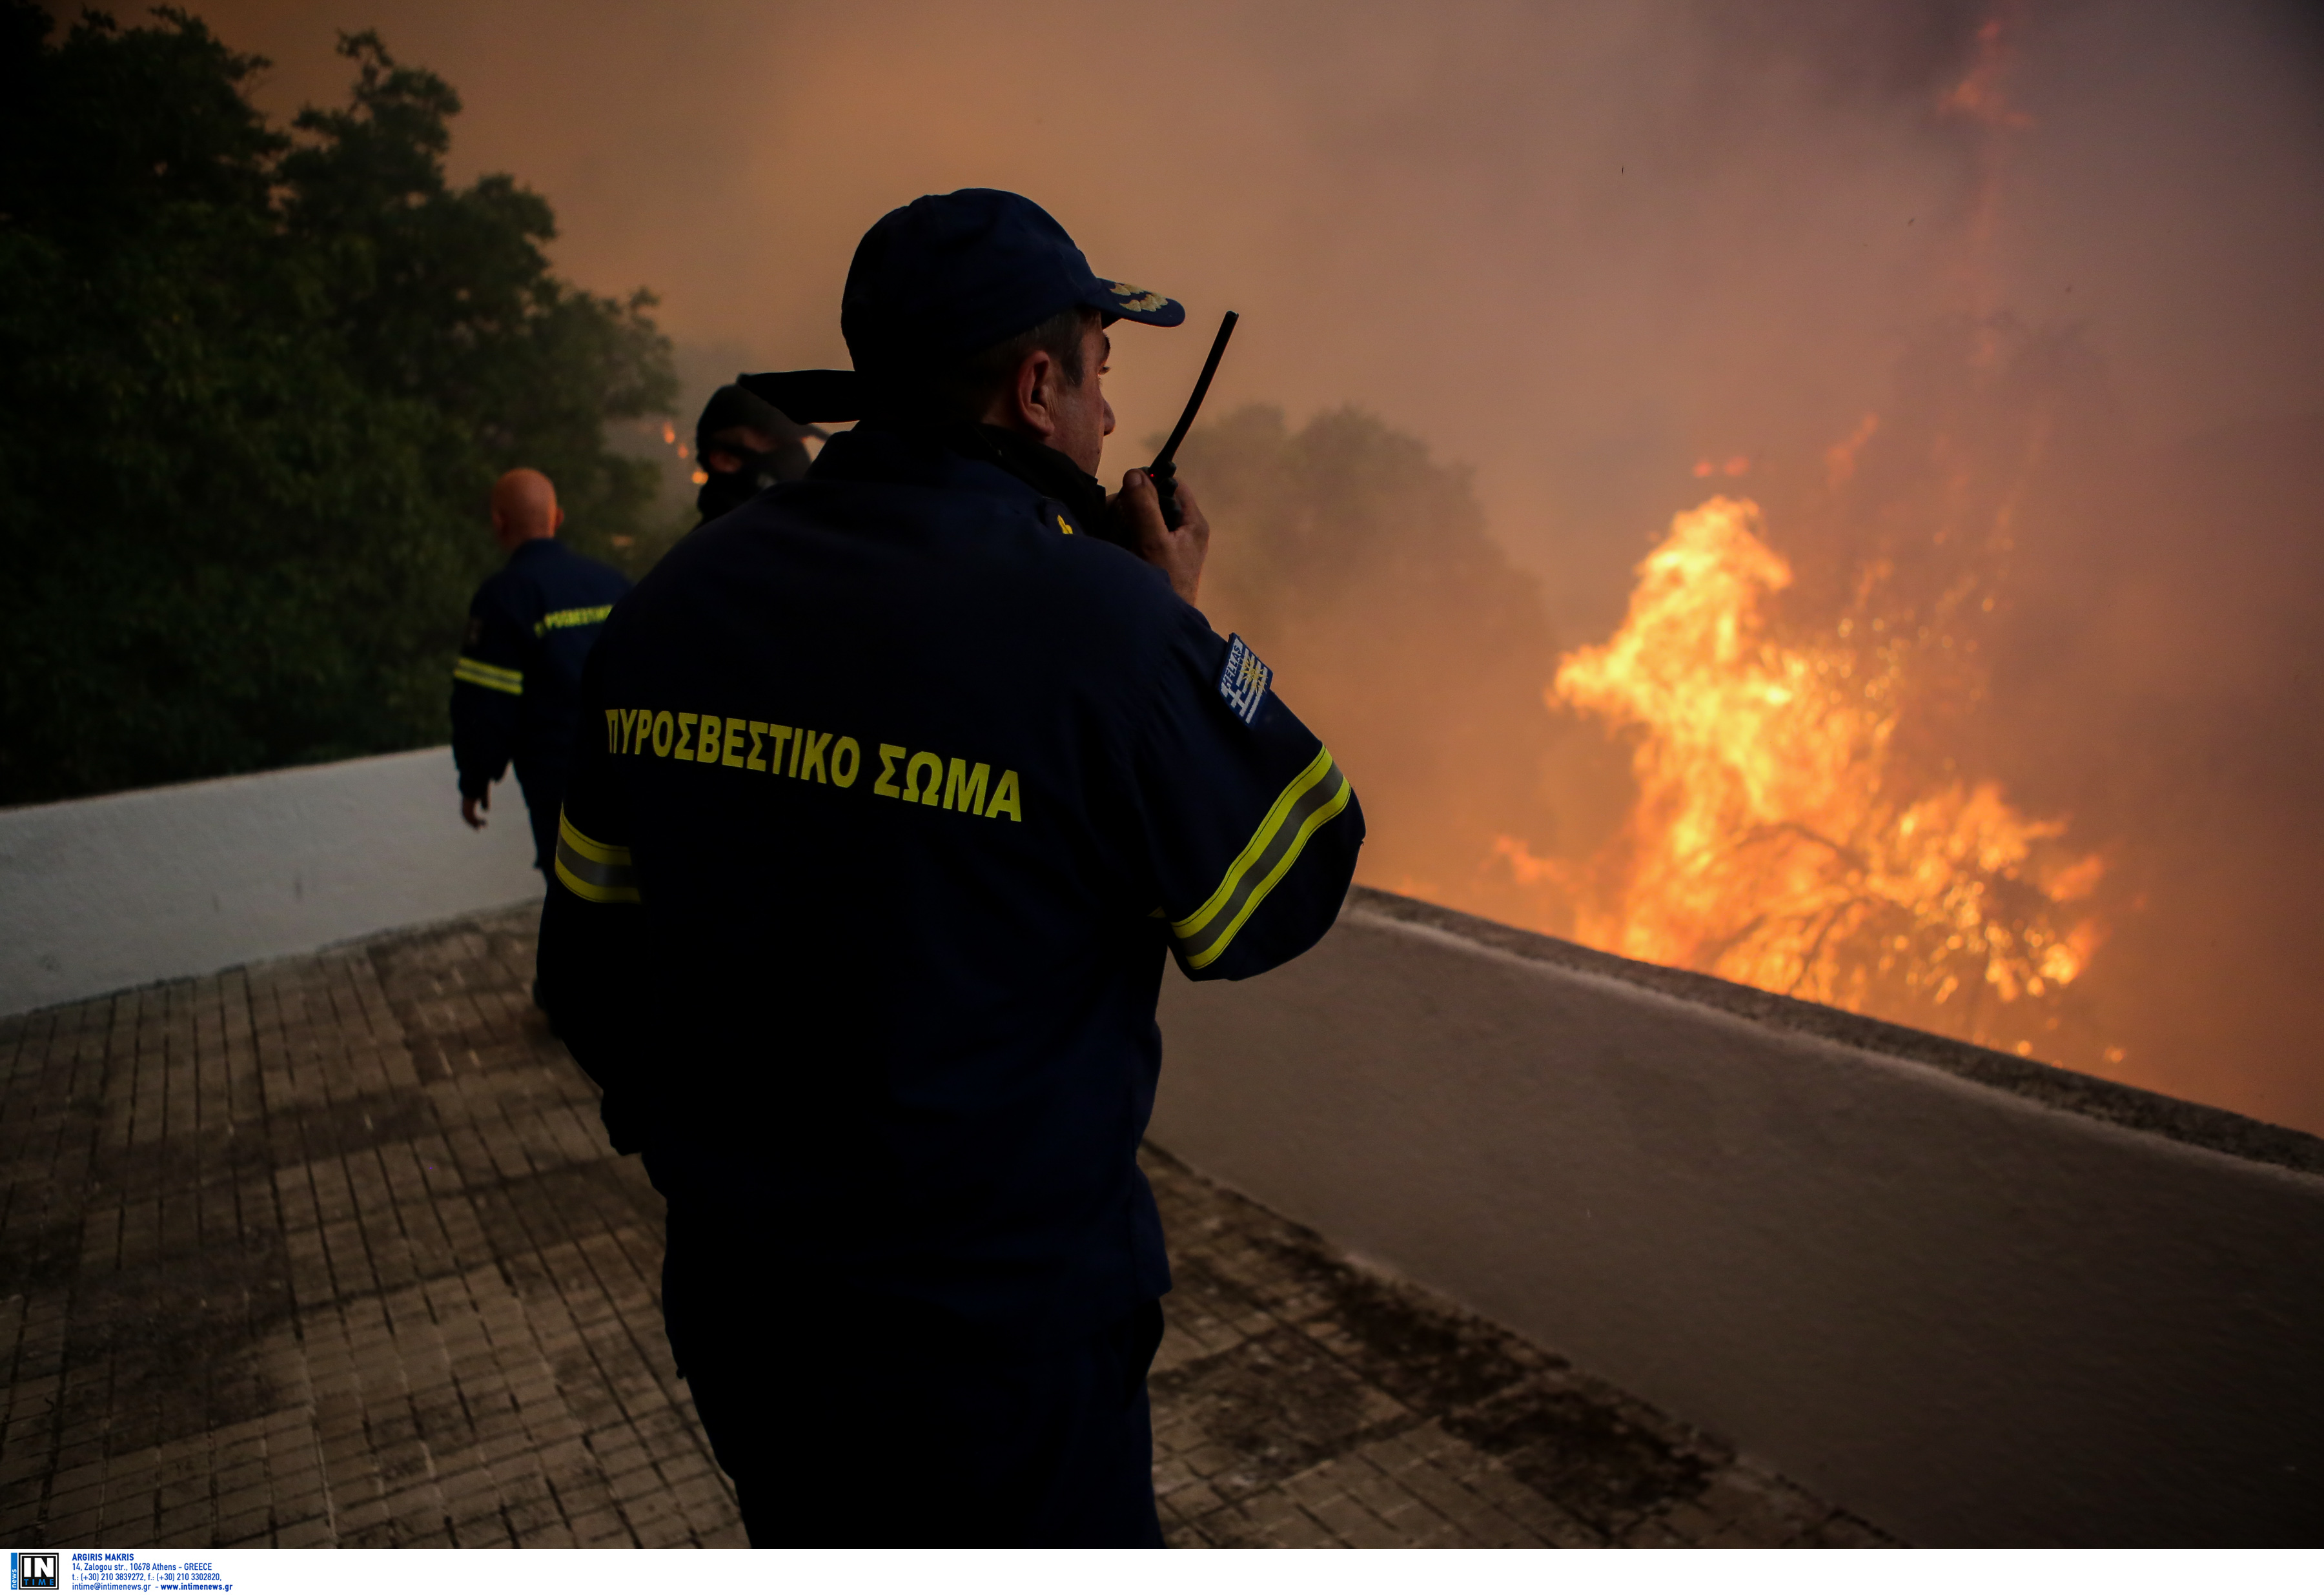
<point>1913,1285</point>
<point>108,892</point>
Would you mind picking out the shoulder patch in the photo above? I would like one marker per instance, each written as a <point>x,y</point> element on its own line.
<point>1243,683</point>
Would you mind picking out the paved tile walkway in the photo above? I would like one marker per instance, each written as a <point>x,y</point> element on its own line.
<point>1302,1401</point>
<point>332,1251</point>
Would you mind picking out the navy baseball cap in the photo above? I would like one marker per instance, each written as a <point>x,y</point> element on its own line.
<point>938,279</point>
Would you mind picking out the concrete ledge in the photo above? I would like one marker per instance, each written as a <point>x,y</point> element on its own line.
<point>1979,1302</point>
<point>104,893</point>
<point>2126,1105</point>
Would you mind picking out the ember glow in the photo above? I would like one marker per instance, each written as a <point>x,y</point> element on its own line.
<point>1780,837</point>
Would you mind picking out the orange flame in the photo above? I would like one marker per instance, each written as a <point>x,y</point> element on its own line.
<point>1777,838</point>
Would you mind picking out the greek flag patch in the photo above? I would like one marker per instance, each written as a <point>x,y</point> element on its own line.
<point>1243,682</point>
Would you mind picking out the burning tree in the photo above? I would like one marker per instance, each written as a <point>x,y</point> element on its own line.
<point>1780,837</point>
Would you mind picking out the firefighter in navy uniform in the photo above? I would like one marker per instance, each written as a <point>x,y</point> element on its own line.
<point>516,686</point>
<point>743,446</point>
<point>900,784</point>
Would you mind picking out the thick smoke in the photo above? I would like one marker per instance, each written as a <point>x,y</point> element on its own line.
<point>2070,264</point>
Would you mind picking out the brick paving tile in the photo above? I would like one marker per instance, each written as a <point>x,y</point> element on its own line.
<point>244,1527</point>
<point>331,1251</point>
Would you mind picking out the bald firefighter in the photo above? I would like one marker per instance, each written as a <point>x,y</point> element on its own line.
<point>516,686</point>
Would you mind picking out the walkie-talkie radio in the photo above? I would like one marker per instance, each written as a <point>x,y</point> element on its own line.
<point>1164,469</point>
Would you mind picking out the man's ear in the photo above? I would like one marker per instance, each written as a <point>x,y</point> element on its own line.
<point>1037,389</point>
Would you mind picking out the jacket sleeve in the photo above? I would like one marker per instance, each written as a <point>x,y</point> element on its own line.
<point>1250,827</point>
<point>488,693</point>
<point>593,929</point>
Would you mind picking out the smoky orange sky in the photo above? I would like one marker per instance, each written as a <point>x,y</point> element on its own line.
<point>1576,246</point>
<point>1581,249</point>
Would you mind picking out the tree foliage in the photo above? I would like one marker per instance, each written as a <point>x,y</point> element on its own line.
<point>257,384</point>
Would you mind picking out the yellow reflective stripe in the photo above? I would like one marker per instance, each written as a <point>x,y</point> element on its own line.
<point>559,619</point>
<point>592,871</point>
<point>590,891</point>
<point>1182,928</point>
<point>477,673</point>
<point>1314,795</point>
<point>589,847</point>
<point>1313,823</point>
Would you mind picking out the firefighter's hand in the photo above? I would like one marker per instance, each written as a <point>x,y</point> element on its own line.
<point>1178,554</point>
<point>472,810</point>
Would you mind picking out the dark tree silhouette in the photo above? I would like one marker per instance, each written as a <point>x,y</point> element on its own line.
<point>255,386</point>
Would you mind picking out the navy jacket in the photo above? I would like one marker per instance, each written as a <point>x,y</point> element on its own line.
<point>898,785</point>
<point>516,687</point>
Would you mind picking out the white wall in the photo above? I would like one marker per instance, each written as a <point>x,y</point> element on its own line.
<point>106,892</point>
<point>1972,1318</point>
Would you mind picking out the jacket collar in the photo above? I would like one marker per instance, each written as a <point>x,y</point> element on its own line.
<point>972,459</point>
